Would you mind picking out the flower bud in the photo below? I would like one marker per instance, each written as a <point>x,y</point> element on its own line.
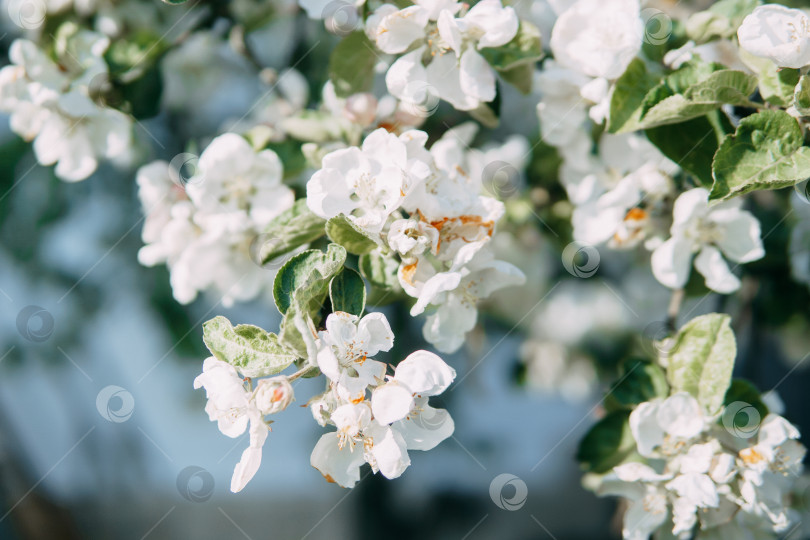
<point>273,395</point>
<point>361,108</point>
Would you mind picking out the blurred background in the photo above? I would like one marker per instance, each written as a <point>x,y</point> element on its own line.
<point>103,436</point>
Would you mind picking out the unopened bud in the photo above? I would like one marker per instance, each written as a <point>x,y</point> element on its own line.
<point>273,395</point>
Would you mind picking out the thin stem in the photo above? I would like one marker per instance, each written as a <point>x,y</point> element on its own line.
<point>674,309</point>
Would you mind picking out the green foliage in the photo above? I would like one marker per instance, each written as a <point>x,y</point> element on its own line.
<point>252,350</point>
<point>719,21</point>
<point>671,105</point>
<point>639,381</point>
<point>608,443</point>
<point>351,65</point>
<point>702,358</point>
<point>776,85</point>
<point>347,292</point>
<point>692,144</point>
<point>746,392</point>
<point>766,152</point>
<point>628,96</point>
<point>289,230</point>
<point>300,290</point>
<point>342,230</point>
<point>801,95</point>
<point>303,281</point>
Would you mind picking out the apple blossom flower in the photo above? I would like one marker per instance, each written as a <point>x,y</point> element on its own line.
<point>778,33</point>
<point>233,407</point>
<point>598,37</point>
<point>456,70</point>
<point>51,104</point>
<point>346,348</point>
<point>381,431</point>
<point>696,475</point>
<point>711,232</point>
<point>204,227</point>
<point>368,183</point>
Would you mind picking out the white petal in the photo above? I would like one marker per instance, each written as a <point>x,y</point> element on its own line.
<point>645,429</point>
<point>425,373</point>
<point>711,264</point>
<point>443,76</point>
<point>425,429</point>
<point>341,466</point>
<point>390,452</point>
<point>500,24</point>
<point>391,402</point>
<point>477,77</point>
<point>375,334</point>
<point>740,240</point>
<point>671,262</point>
<point>405,75</point>
<point>246,468</point>
<point>680,416</point>
<point>328,194</point>
<point>397,31</point>
<point>689,206</point>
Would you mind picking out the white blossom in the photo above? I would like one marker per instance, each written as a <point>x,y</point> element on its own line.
<point>711,233</point>
<point>598,37</point>
<point>778,33</point>
<point>52,105</point>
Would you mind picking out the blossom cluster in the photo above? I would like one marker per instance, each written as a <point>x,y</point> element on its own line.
<point>205,226</point>
<point>696,469</point>
<point>54,103</point>
<point>379,417</point>
<point>427,208</point>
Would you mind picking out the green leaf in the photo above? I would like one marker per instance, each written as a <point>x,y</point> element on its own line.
<point>776,85</point>
<point>347,291</point>
<point>304,279</point>
<point>381,271</point>
<point>342,230</point>
<point>608,443</point>
<point>721,87</point>
<point>253,351</point>
<point>640,381</point>
<point>702,359</point>
<point>719,21</point>
<point>692,144</point>
<point>746,392</point>
<point>520,76</point>
<point>766,152</point>
<point>525,48</point>
<point>289,230</point>
<point>351,65</point>
<point>628,96</point>
<point>801,96</point>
